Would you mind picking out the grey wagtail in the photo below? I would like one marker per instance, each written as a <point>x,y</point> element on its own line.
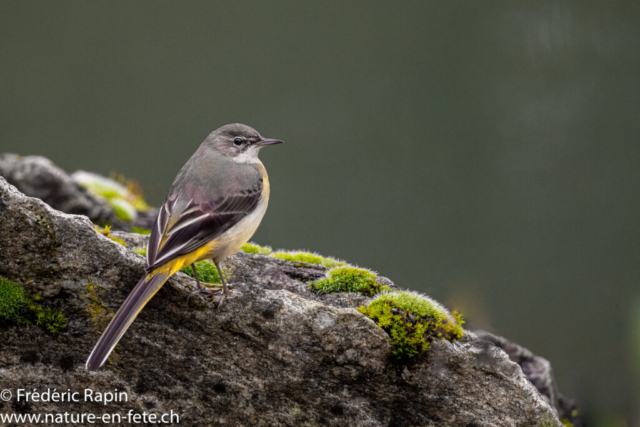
<point>213,208</point>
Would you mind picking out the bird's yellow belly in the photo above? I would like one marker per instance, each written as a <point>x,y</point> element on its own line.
<point>223,246</point>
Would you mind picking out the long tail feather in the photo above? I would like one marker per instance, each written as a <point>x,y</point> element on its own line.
<point>137,299</point>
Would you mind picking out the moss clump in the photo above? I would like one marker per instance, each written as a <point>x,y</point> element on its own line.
<point>13,303</point>
<point>141,251</point>
<point>107,233</point>
<point>123,209</point>
<point>309,258</point>
<point>51,320</point>
<point>207,271</point>
<point>252,248</point>
<point>412,321</point>
<point>17,308</point>
<point>124,196</point>
<point>140,230</point>
<point>349,279</point>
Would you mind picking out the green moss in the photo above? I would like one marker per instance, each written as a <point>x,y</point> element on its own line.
<point>412,321</point>
<point>349,279</point>
<point>123,209</point>
<point>141,251</point>
<point>13,303</point>
<point>252,248</point>
<point>207,271</point>
<point>309,258</point>
<point>140,230</point>
<point>107,233</point>
<point>17,308</point>
<point>51,320</point>
<point>124,196</point>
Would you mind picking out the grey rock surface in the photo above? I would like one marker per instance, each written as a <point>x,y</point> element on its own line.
<point>538,370</point>
<point>274,355</point>
<point>39,177</point>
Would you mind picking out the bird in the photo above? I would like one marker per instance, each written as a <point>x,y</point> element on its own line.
<point>214,206</point>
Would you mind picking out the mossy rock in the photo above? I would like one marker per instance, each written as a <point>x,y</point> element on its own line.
<point>18,309</point>
<point>141,251</point>
<point>124,196</point>
<point>107,233</point>
<point>349,279</point>
<point>309,258</point>
<point>412,321</point>
<point>123,209</point>
<point>252,248</point>
<point>13,303</point>
<point>140,230</point>
<point>49,319</point>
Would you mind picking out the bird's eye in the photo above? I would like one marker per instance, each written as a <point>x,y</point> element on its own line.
<point>238,141</point>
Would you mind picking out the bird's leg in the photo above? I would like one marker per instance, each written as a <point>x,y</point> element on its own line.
<point>225,291</point>
<point>201,288</point>
<point>195,274</point>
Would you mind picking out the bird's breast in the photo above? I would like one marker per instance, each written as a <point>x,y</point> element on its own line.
<point>232,240</point>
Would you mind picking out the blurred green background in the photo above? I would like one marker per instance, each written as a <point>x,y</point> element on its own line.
<point>485,153</point>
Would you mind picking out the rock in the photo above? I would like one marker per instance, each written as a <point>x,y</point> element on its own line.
<point>274,355</point>
<point>538,371</point>
<point>132,240</point>
<point>38,177</point>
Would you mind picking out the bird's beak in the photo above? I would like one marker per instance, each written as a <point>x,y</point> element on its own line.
<point>267,141</point>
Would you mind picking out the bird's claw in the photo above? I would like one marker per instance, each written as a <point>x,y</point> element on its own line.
<point>222,300</point>
<point>206,289</point>
<point>203,290</point>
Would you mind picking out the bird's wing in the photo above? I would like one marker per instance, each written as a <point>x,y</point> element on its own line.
<point>182,227</point>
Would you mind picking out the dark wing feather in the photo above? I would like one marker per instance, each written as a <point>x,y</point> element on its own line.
<point>197,223</point>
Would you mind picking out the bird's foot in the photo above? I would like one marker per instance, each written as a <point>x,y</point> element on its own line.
<point>222,299</point>
<point>205,288</point>
<point>203,291</point>
<point>211,289</point>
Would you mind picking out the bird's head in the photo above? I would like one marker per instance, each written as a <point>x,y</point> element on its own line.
<point>239,142</point>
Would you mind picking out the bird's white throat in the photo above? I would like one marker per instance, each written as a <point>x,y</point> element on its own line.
<point>249,156</point>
